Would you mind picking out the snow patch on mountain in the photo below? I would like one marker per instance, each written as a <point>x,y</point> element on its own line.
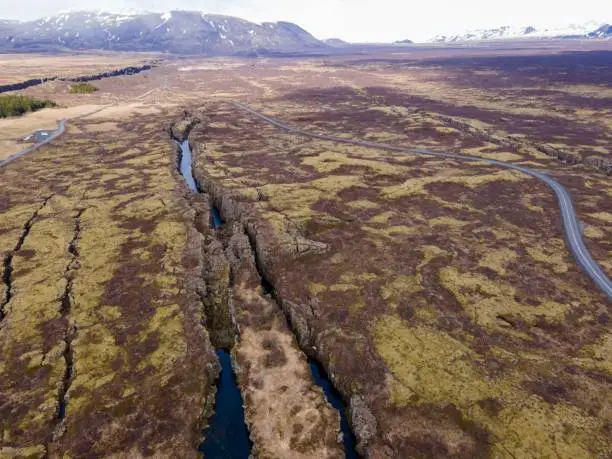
<point>508,32</point>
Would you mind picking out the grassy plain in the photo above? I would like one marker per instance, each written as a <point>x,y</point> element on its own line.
<point>443,277</point>
<point>102,348</point>
<point>439,295</point>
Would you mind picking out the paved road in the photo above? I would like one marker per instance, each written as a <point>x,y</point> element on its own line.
<point>571,224</point>
<point>43,140</point>
<point>44,136</point>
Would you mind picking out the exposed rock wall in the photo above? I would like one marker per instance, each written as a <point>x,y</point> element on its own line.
<point>287,414</point>
<point>269,252</point>
<point>602,164</point>
<point>78,79</point>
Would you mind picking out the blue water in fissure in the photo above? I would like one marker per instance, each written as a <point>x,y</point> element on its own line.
<point>215,219</point>
<point>226,436</point>
<point>186,166</point>
<point>335,399</point>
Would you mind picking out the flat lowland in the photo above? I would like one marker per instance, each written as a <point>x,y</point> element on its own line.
<point>438,294</point>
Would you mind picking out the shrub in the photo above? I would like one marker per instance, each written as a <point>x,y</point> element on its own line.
<point>12,105</point>
<point>82,88</point>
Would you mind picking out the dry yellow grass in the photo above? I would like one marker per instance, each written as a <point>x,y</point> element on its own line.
<point>285,412</point>
<point>484,300</point>
<point>553,254</point>
<point>331,161</point>
<point>36,301</point>
<point>416,186</point>
<point>603,216</point>
<point>498,259</point>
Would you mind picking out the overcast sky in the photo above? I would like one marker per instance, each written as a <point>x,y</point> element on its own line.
<point>353,20</point>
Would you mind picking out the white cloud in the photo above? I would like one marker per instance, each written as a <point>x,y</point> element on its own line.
<point>355,20</point>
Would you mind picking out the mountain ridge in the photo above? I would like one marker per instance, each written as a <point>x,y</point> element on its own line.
<point>177,31</point>
<point>591,29</point>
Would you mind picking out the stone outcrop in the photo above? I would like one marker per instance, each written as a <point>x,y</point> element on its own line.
<point>602,164</point>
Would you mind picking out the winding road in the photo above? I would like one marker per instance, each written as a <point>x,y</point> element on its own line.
<point>571,224</point>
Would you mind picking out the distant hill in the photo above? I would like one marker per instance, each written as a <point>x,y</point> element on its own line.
<point>592,29</point>
<point>405,42</point>
<point>336,42</point>
<point>187,32</point>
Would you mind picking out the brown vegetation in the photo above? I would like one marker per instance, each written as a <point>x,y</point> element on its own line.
<point>439,295</point>
<point>102,348</point>
<point>431,273</point>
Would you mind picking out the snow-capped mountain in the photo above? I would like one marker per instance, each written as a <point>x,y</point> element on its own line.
<point>175,31</point>
<point>605,31</point>
<point>591,29</point>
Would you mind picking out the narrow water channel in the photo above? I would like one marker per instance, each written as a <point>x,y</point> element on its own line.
<point>226,436</point>
<point>335,399</point>
<point>321,379</point>
<point>215,218</point>
<point>186,166</point>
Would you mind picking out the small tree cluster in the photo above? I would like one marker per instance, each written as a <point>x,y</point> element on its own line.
<point>11,105</point>
<point>82,88</point>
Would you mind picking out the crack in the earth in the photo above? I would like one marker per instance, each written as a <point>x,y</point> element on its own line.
<point>65,310</point>
<point>7,277</point>
<point>206,292</point>
<point>270,291</point>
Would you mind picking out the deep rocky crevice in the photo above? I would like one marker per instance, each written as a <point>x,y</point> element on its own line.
<point>269,289</point>
<point>7,276</point>
<point>227,434</point>
<point>66,310</point>
<point>335,399</point>
<point>218,280</point>
<point>319,373</point>
<point>266,285</point>
<point>217,318</point>
<point>216,221</point>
